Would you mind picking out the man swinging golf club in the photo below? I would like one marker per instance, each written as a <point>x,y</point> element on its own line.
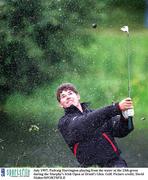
<point>90,134</point>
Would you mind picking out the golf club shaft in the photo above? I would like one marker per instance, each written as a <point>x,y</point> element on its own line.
<point>129,67</point>
<point>130,123</point>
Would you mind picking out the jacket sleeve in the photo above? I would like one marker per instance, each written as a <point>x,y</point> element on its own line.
<point>119,126</point>
<point>82,126</point>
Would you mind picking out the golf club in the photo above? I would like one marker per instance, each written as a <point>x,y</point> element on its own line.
<point>125,29</point>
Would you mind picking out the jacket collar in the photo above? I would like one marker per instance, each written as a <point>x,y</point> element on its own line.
<point>74,109</point>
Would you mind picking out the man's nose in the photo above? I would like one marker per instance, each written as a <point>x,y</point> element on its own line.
<point>67,97</point>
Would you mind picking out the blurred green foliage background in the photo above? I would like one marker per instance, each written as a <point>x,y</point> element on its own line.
<point>46,43</point>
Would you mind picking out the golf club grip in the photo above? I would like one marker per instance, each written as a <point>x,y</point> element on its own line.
<point>130,123</point>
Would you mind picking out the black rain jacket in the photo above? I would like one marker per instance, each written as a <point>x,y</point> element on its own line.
<point>90,134</point>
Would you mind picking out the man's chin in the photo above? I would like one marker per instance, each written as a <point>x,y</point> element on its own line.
<point>70,104</point>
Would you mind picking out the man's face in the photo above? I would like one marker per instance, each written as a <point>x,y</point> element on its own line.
<point>68,98</point>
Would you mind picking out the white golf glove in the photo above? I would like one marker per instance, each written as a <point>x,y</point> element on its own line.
<point>128,113</point>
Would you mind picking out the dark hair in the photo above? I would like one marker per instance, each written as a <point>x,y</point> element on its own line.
<point>65,86</point>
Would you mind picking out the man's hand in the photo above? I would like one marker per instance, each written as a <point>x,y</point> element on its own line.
<point>126,104</point>
<point>128,113</point>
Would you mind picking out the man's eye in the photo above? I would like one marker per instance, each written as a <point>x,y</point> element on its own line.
<point>62,96</point>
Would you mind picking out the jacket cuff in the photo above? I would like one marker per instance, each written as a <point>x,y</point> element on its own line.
<point>118,108</point>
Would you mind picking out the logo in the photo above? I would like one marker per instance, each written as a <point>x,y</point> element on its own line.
<point>2,172</point>
<point>18,172</point>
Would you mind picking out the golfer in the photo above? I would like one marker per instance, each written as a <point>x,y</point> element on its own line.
<point>90,134</point>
